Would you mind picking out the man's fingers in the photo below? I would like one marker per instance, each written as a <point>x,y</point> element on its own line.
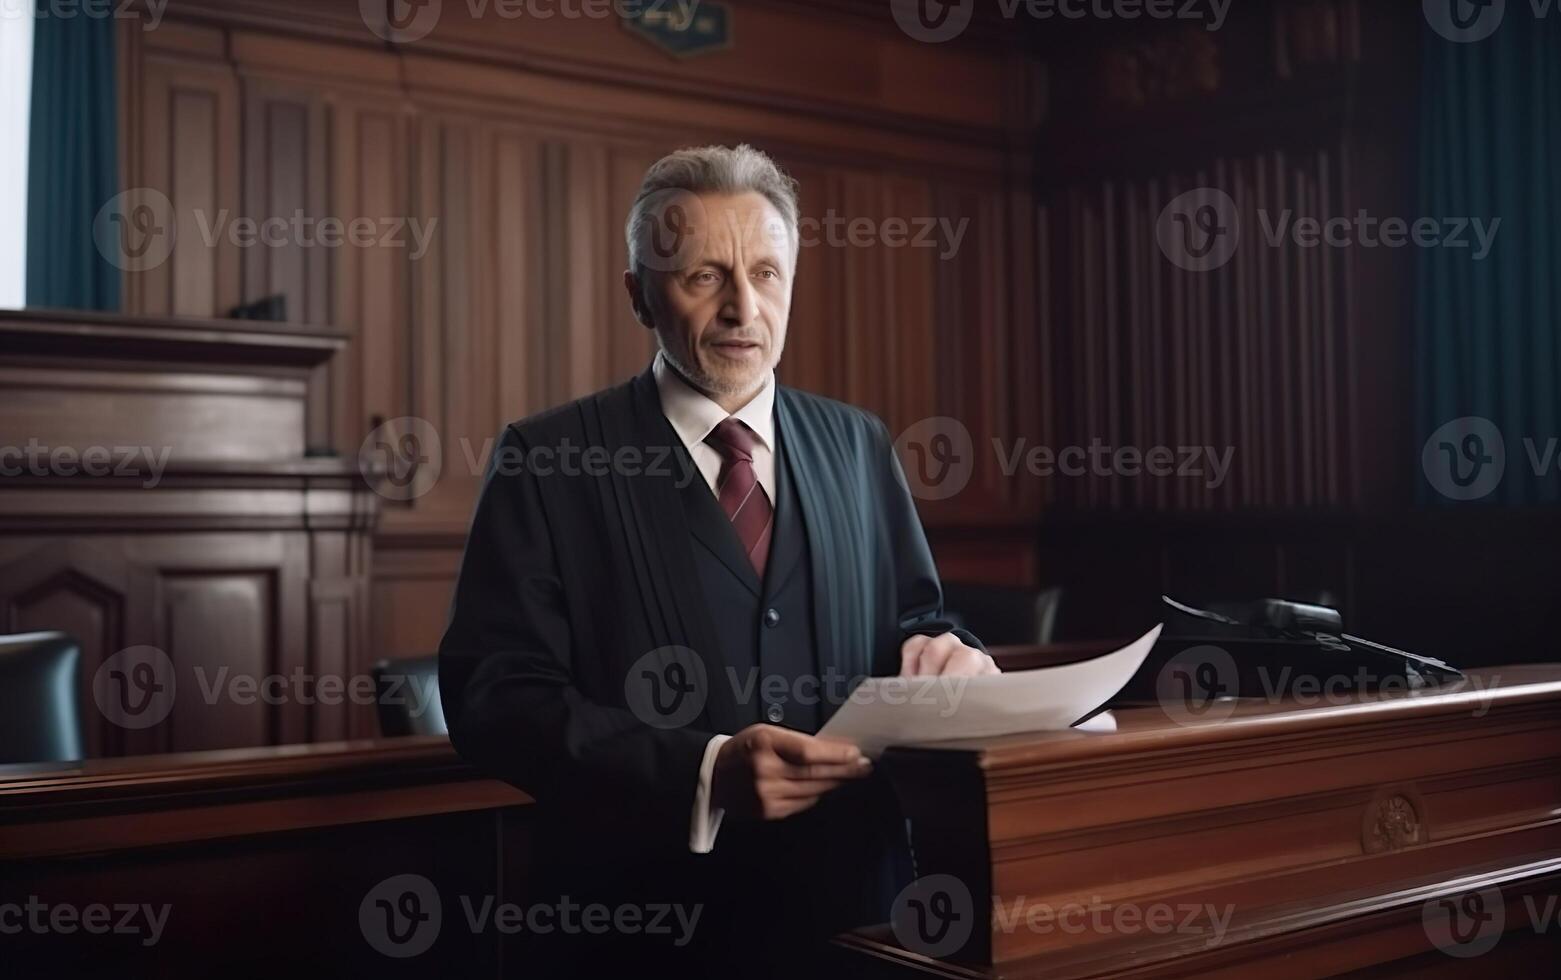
<point>806,750</point>
<point>943,655</point>
<point>935,655</point>
<point>780,769</point>
<point>797,789</point>
<point>969,662</point>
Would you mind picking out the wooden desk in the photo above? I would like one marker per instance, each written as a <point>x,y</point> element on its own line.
<point>262,857</point>
<point>1324,833</point>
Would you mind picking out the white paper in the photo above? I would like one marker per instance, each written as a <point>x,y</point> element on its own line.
<point>885,711</point>
<point>1103,722</point>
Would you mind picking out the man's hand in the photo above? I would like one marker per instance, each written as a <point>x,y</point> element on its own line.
<point>943,655</point>
<point>771,773</point>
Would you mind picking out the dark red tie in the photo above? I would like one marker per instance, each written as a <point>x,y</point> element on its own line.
<point>744,500</point>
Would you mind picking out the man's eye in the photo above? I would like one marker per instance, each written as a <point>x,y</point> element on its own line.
<point>768,274</point>
<point>706,277</point>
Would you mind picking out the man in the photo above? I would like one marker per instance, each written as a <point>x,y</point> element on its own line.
<point>664,585</point>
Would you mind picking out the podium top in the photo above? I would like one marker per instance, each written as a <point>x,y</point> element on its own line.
<point>1150,727</point>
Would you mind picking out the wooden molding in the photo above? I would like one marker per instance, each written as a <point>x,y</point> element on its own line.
<point>82,333</point>
<point>93,807</point>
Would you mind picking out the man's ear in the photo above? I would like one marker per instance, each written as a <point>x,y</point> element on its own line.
<point>634,287</point>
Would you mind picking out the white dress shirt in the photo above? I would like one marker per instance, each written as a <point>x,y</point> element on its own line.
<point>694,416</point>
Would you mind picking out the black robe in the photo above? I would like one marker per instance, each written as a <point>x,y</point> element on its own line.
<point>580,562</point>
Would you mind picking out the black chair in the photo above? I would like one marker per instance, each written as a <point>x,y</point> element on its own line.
<point>39,720</point>
<point>408,696</point>
<point>1002,615</point>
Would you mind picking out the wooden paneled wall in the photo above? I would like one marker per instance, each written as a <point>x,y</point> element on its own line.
<point>1289,355</point>
<point>520,143</point>
<point>1252,357</point>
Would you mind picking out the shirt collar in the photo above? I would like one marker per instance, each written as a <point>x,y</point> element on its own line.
<point>694,416</point>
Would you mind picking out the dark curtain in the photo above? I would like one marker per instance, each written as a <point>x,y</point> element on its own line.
<point>1487,331</point>
<point>73,169</point>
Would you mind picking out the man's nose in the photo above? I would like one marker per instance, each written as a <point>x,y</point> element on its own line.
<point>742,304</point>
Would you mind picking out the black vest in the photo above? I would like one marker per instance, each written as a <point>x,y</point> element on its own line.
<point>767,661</point>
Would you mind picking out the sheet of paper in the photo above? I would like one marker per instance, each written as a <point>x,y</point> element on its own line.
<point>885,711</point>
<point>1103,722</point>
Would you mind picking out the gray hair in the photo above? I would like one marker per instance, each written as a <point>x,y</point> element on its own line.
<point>709,170</point>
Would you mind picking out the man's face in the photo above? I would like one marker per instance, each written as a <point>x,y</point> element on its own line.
<point>721,315</point>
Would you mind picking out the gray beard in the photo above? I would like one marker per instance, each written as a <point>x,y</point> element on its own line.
<point>697,379</point>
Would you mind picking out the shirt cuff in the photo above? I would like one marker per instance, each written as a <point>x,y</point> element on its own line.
<point>706,821</point>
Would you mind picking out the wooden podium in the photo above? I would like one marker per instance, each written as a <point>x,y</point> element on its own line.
<point>1389,835</point>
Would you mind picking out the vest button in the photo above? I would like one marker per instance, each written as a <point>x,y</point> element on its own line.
<point>775,713</point>
<point>771,617</point>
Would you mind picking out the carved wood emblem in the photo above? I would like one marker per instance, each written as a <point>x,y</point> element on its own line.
<point>1392,823</point>
<point>1171,67</point>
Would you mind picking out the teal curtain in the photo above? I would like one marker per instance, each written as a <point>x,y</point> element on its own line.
<point>73,168</point>
<point>1487,344</point>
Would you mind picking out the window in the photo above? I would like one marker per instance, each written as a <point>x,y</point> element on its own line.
<point>16,71</point>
